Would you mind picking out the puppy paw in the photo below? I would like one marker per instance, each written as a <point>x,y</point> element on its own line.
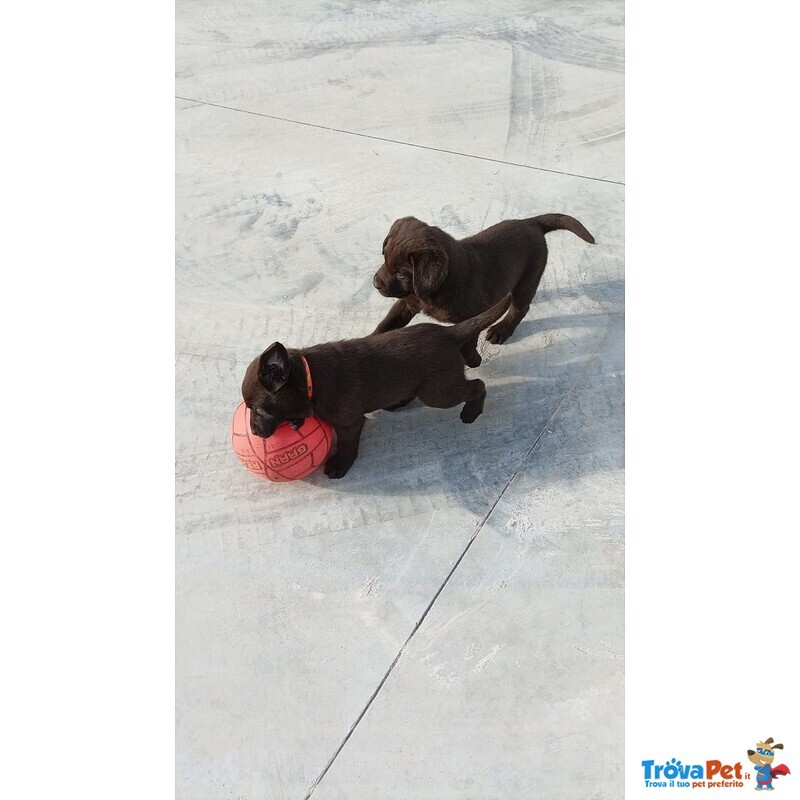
<point>497,334</point>
<point>337,467</point>
<point>469,415</point>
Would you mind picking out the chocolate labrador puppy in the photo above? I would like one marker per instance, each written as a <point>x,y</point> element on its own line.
<point>339,382</point>
<point>452,280</point>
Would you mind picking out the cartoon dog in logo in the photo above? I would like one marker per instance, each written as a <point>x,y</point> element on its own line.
<point>762,757</point>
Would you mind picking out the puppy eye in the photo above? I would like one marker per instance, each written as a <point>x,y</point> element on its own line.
<point>260,412</point>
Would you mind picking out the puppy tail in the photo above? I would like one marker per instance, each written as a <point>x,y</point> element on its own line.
<point>562,222</point>
<point>470,328</point>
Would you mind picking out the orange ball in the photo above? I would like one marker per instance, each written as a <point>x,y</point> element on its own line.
<point>287,455</point>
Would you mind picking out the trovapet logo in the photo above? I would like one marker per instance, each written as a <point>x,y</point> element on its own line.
<point>717,774</point>
<point>709,774</point>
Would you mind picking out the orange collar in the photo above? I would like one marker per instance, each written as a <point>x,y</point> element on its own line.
<point>309,383</point>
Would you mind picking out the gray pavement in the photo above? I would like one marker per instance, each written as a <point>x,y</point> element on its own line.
<point>447,620</point>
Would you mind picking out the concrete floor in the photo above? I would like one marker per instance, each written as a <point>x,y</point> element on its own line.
<point>303,130</point>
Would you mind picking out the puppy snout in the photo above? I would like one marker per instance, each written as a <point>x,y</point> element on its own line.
<point>383,283</point>
<point>263,428</point>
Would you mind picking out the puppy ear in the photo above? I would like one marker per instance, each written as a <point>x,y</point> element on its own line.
<point>430,270</point>
<point>274,367</point>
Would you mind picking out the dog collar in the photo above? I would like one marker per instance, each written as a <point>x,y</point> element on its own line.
<point>309,383</point>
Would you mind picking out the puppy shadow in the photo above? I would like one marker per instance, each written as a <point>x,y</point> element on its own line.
<point>604,298</point>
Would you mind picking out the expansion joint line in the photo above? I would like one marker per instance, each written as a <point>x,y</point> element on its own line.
<point>398,141</point>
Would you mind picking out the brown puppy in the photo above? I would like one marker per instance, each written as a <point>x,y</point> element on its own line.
<point>453,280</point>
<point>353,377</point>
